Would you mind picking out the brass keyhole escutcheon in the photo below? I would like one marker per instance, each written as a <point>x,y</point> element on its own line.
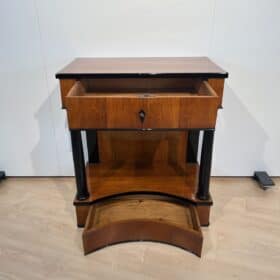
<point>142,115</point>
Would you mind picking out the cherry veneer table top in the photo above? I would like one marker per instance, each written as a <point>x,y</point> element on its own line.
<point>142,66</point>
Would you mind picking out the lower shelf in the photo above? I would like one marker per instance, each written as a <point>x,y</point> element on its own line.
<point>149,218</point>
<point>109,179</point>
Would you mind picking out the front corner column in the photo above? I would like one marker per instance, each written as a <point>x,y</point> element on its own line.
<point>79,164</point>
<point>205,165</point>
<point>192,146</point>
<point>92,146</point>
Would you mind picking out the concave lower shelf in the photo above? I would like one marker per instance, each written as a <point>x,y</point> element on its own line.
<point>136,218</point>
<point>134,201</point>
<point>109,179</point>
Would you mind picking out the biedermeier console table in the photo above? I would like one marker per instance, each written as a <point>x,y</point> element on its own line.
<point>142,118</point>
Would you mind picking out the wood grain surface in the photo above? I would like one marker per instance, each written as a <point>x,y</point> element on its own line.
<point>121,220</point>
<point>142,146</point>
<point>65,87</point>
<point>195,108</point>
<point>109,179</point>
<point>199,66</point>
<point>218,87</point>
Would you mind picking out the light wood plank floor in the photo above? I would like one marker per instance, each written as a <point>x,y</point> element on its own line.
<point>39,238</point>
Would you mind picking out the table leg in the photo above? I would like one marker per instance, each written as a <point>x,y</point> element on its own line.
<point>79,164</point>
<point>192,148</point>
<point>92,145</point>
<point>205,165</point>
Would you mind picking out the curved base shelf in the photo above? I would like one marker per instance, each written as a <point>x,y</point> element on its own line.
<point>142,219</point>
<point>106,180</point>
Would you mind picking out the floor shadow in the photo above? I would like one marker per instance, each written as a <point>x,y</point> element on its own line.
<point>53,145</point>
<point>239,149</point>
<point>240,140</point>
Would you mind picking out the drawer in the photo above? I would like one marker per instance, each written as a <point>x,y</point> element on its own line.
<point>142,218</point>
<point>102,110</point>
<point>190,105</point>
<point>197,109</point>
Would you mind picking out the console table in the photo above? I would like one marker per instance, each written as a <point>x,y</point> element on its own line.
<point>142,119</point>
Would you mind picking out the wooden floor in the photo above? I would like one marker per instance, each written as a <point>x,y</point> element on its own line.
<point>39,238</point>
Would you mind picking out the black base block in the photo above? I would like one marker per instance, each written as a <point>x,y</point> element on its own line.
<point>2,175</point>
<point>263,179</point>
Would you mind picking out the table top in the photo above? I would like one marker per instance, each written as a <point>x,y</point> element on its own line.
<point>142,66</point>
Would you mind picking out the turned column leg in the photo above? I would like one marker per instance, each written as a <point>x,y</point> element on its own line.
<point>79,164</point>
<point>205,165</point>
<point>92,146</point>
<point>192,148</point>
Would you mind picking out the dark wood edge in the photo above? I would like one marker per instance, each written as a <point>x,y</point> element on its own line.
<point>80,226</point>
<point>144,129</point>
<point>160,196</point>
<point>139,75</point>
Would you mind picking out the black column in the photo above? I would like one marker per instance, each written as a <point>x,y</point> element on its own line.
<point>192,148</point>
<point>92,146</point>
<point>79,164</point>
<point>205,165</point>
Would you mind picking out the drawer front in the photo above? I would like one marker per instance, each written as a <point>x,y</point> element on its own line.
<point>123,112</point>
<point>107,113</point>
<point>162,112</point>
<point>86,112</point>
<point>181,112</point>
<point>141,111</point>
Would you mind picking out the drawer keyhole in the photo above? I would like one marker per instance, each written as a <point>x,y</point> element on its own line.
<point>142,115</point>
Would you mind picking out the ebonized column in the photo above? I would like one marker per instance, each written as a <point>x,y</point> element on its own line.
<point>92,146</point>
<point>205,165</point>
<point>79,164</point>
<point>192,148</point>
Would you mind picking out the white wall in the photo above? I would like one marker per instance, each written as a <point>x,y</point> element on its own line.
<point>39,37</point>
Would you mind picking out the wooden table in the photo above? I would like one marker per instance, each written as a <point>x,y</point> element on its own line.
<point>142,119</point>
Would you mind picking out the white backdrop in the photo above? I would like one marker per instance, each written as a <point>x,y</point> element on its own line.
<point>39,37</point>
